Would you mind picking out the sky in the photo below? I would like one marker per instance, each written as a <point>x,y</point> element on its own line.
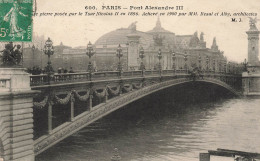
<point>79,30</point>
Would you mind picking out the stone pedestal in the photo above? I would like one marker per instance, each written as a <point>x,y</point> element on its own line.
<point>133,55</point>
<point>16,115</point>
<point>14,79</point>
<point>253,45</point>
<point>251,83</point>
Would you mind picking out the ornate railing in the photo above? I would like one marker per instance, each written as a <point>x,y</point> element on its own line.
<point>37,80</point>
<point>40,80</point>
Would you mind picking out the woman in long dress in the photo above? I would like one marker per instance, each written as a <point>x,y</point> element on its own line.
<point>15,30</point>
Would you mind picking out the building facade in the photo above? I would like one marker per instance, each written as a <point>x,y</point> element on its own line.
<point>193,47</point>
<point>178,51</point>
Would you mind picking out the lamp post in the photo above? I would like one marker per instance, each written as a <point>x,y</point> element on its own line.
<point>236,68</point>
<point>207,63</point>
<point>245,63</point>
<point>119,54</point>
<point>173,62</point>
<point>199,62</point>
<point>33,49</point>
<point>214,65</point>
<point>127,45</point>
<point>220,66</point>
<point>160,57</point>
<point>141,55</point>
<point>229,66</point>
<point>90,52</point>
<point>185,65</point>
<point>225,67</point>
<point>49,50</point>
<point>41,57</point>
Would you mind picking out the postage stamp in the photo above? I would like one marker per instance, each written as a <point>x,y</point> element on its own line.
<point>16,20</point>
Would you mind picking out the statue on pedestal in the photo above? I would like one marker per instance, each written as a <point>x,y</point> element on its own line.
<point>252,22</point>
<point>11,57</point>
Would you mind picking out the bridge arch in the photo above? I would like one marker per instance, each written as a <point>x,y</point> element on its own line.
<point>111,105</point>
<point>221,84</point>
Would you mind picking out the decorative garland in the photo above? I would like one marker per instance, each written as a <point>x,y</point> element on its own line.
<point>41,104</point>
<point>100,94</point>
<point>137,86</point>
<point>128,87</point>
<point>82,98</point>
<point>114,92</point>
<point>63,101</point>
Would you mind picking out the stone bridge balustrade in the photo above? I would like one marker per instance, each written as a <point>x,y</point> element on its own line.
<point>39,80</point>
<point>106,92</point>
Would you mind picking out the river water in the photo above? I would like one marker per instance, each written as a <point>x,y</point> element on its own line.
<point>156,129</point>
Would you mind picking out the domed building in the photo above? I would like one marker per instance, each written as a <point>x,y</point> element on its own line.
<point>131,40</point>
<point>176,50</point>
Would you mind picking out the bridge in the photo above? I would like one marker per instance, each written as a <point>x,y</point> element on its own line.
<point>105,93</point>
<point>27,115</point>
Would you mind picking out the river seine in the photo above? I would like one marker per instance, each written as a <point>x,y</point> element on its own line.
<point>160,128</point>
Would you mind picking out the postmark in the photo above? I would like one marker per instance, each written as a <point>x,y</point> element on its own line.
<point>16,17</point>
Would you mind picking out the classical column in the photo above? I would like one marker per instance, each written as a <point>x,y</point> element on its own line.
<point>49,117</point>
<point>72,104</point>
<point>90,101</point>
<point>106,95</point>
<point>253,43</point>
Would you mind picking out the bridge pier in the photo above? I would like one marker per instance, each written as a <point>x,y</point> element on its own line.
<point>251,83</point>
<point>16,118</point>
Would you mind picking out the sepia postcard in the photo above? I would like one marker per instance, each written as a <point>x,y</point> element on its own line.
<point>129,80</point>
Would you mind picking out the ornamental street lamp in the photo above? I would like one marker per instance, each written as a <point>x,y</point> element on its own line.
<point>141,55</point>
<point>245,63</point>
<point>119,54</point>
<point>127,46</point>
<point>185,65</point>
<point>225,67</point>
<point>160,57</point>
<point>220,66</point>
<point>33,49</point>
<point>229,64</point>
<point>214,65</point>
<point>173,62</point>
<point>207,62</point>
<point>90,52</point>
<point>236,68</point>
<point>199,62</point>
<point>49,50</point>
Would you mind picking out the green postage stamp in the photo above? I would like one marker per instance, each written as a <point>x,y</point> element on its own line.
<point>16,20</point>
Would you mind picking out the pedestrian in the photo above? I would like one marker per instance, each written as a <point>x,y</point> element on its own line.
<point>71,70</point>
